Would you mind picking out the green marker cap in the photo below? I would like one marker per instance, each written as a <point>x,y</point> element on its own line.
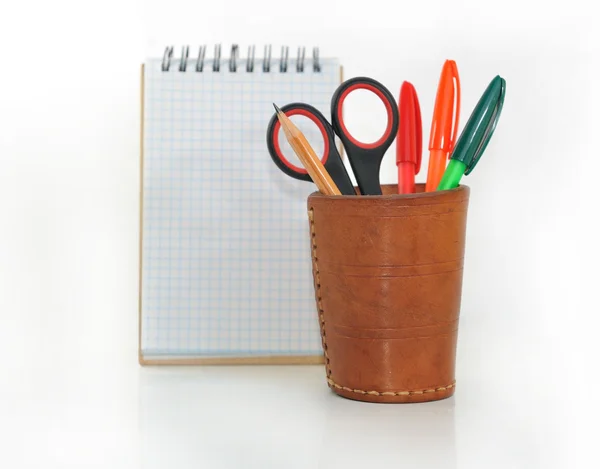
<point>481,125</point>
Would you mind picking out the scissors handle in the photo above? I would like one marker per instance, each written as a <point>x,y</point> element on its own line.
<point>331,159</point>
<point>365,158</point>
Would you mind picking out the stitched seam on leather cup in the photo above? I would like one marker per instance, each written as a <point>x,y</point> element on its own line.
<point>391,393</point>
<point>317,279</point>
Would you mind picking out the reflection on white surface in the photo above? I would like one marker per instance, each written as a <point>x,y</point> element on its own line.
<point>286,417</point>
<point>381,435</point>
<point>282,417</point>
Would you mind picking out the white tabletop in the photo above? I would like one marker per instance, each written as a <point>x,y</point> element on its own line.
<point>100,408</point>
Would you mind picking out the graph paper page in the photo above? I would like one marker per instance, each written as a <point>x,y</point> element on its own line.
<point>226,264</point>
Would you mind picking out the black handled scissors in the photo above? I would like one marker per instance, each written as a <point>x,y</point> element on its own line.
<point>365,158</point>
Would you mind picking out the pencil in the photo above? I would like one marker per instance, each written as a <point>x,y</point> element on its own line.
<point>307,155</point>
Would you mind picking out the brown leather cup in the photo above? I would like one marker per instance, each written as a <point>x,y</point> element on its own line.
<point>388,278</point>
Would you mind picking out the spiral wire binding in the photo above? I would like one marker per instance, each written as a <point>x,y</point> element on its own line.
<point>217,58</point>
<point>267,59</point>
<point>234,57</point>
<point>185,52</point>
<point>283,64</point>
<point>166,62</point>
<point>200,61</point>
<point>300,61</point>
<point>250,59</point>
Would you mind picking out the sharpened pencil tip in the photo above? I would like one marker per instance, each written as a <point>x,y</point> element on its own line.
<point>276,108</point>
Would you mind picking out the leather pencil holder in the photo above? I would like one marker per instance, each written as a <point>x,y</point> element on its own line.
<point>387,274</point>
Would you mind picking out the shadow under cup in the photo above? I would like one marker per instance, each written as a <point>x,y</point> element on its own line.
<point>387,274</point>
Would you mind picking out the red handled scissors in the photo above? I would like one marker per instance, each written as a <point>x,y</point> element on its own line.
<point>365,158</point>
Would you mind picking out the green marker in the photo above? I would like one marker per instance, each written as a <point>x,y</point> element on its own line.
<point>476,134</point>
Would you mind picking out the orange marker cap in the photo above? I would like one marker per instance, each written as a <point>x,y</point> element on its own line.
<point>443,132</point>
<point>409,145</point>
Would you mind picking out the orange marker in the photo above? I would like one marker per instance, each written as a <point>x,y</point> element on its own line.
<point>443,130</point>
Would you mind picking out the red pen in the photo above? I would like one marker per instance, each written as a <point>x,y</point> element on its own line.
<point>409,142</point>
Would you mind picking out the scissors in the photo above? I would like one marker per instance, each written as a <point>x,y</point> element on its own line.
<point>365,158</point>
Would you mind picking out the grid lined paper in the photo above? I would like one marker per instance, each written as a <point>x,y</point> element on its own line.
<point>226,266</point>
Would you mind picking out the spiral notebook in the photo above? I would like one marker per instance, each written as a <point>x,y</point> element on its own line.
<point>225,266</point>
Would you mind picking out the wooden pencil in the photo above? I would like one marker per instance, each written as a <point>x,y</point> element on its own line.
<point>307,155</point>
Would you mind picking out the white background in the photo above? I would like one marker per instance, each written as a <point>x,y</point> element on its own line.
<point>71,391</point>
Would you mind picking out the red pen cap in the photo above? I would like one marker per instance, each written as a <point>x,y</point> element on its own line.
<point>409,143</point>
<point>443,133</point>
